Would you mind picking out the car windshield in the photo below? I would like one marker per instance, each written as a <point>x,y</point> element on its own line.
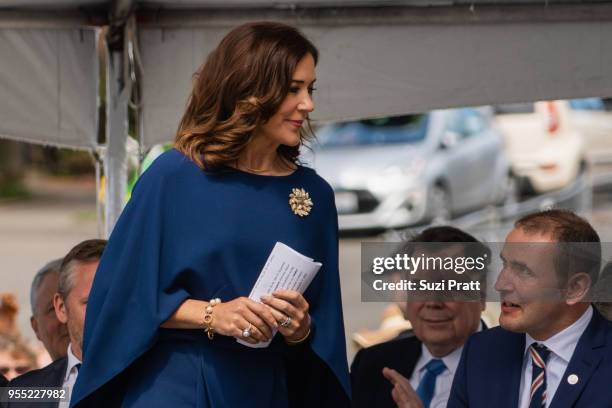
<point>380,131</point>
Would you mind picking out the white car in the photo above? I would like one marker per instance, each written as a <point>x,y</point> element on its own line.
<point>545,147</point>
<point>594,123</point>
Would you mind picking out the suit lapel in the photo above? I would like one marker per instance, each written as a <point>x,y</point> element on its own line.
<point>484,325</point>
<point>412,355</point>
<point>56,377</point>
<point>515,354</point>
<point>587,356</point>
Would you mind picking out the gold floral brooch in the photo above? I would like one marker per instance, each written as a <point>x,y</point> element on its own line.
<point>300,202</point>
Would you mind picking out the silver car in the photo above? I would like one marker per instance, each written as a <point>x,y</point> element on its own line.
<point>404,170</point>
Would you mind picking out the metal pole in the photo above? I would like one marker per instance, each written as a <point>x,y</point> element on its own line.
<point>115,157</point>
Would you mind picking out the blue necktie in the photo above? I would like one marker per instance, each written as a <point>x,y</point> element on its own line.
<point>539,356</point>
<point>426,387</point>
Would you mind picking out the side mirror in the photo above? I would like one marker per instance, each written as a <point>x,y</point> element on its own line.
<point>449,139</point>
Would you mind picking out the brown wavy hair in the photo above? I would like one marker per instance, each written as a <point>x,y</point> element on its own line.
<point>240,86</point>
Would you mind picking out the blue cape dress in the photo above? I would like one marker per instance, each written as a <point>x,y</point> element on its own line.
<point>190,234</point>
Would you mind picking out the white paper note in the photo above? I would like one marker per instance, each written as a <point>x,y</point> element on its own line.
<point>285,269</point>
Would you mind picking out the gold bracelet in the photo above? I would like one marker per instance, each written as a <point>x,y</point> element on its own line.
<point>208,318</point>
<point>295,342</point>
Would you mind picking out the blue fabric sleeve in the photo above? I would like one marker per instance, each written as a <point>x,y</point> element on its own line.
<point>136,288</point>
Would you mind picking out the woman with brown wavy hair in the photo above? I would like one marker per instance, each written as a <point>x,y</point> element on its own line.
<point>170,296</point>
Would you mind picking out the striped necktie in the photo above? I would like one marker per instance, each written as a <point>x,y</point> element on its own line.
<point>426,387</point>
<point>539,356</point>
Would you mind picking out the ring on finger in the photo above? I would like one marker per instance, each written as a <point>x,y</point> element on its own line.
<point>285,322</point>
<point>246,333</point>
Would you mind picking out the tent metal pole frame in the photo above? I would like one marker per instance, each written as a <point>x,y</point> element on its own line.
<point>118,89</point>
<point>115,154</point>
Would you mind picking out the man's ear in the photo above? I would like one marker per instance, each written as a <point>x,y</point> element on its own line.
<point>578,287</point>
<point>60,308</point>
<point>34,324</point>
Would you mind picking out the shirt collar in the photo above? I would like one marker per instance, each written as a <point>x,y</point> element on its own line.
<point>564,343</point>
<point>72,362</point>
<point>451,360</point>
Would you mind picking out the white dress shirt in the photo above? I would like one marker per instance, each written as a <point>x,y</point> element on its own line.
<point>444,380</point>
<point>70,377</point>
<point>562,346</point>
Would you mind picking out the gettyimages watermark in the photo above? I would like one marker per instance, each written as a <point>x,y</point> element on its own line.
<point>491,272</point>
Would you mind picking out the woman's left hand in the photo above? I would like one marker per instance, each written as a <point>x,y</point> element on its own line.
<point>289,307</point>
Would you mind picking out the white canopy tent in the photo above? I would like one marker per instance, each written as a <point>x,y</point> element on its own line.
<point>377,58</point>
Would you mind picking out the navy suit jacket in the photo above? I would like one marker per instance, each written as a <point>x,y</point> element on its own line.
<point>370,388</point>
<point>489,373</point>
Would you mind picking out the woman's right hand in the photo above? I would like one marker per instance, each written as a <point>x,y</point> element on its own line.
<point>233,317</point>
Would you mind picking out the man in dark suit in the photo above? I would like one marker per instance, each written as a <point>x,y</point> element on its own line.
<point>552,349</point>
<point>417,370</point>
<point>3,381</point>
<point>75,279</point>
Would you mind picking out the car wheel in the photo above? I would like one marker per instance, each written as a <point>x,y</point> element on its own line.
<point>439,203</point>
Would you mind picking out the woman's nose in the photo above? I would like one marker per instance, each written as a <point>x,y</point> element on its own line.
<point>307,104</point>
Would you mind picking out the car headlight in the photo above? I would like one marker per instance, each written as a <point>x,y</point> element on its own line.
<point>396,178</point>
<point>412,169</point>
